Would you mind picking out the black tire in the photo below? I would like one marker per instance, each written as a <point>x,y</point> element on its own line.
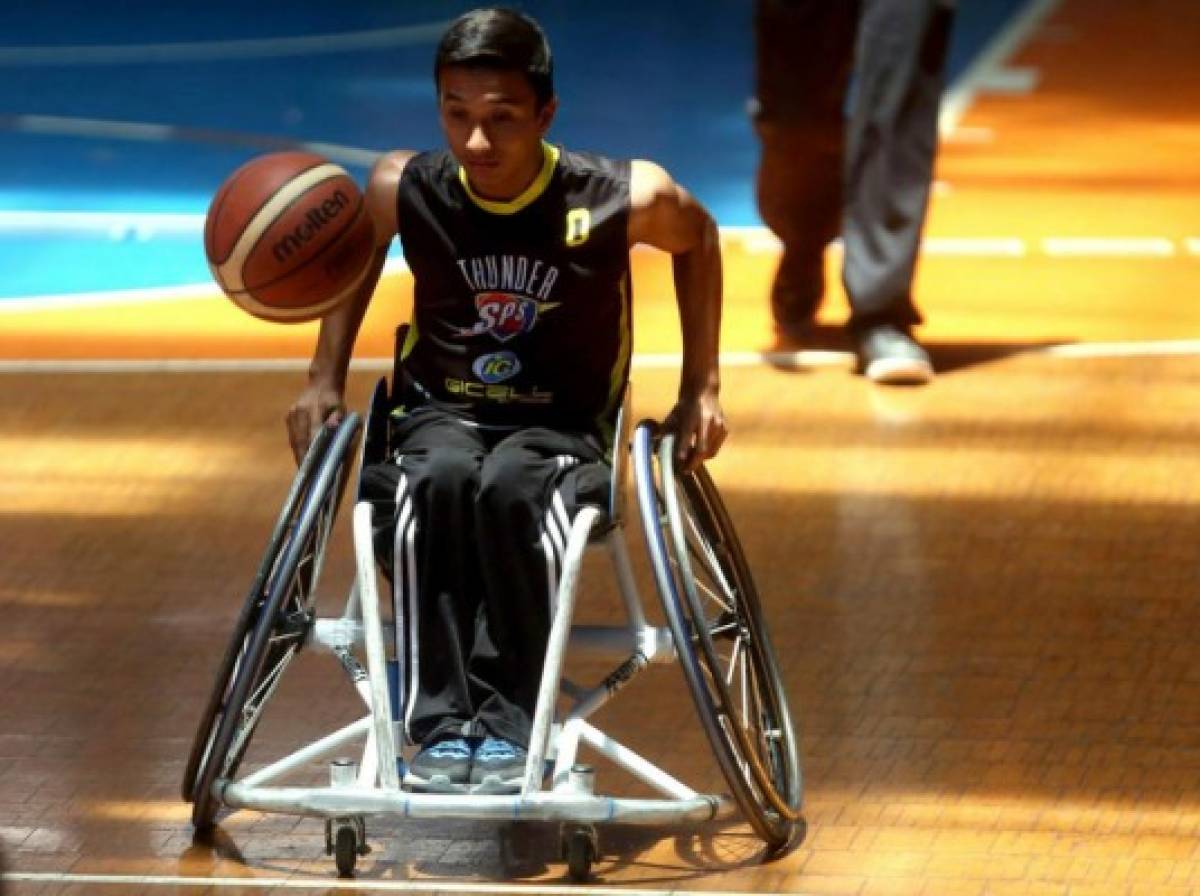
<point>345,848</point>
<point>275,620</point>
<point>581,853</point>
<point>720,634</point>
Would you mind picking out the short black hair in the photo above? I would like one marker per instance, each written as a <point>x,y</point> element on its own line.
<point>499,38</point>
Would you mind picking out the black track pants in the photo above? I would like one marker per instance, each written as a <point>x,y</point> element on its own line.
<point>471,527</point>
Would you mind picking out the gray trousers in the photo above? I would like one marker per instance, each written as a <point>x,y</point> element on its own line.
<point>860,165</point>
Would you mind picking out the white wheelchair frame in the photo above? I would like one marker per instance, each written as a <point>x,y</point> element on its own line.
<point>371,785</point>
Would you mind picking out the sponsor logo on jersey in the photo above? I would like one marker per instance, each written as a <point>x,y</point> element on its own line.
<point>506,315</point>
<point>496,367</point>
<point>511,293</point>
<point>498,392</point>
<point>510,273</point>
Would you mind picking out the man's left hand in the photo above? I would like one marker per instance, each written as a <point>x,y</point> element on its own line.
<point>699,427</point>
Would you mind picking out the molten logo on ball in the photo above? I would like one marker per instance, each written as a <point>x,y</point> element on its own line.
<point>316,219</point>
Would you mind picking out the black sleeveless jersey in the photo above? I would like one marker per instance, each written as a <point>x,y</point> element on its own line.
<point>521,309</point>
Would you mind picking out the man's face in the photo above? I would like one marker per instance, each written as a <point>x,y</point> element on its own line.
<point>493,127</point>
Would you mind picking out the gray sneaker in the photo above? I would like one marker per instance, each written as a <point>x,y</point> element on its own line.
<point>442,766</point>
<point>499,767</point>
<point>888,354</point>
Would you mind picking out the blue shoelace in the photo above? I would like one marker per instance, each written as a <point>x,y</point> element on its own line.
<point>455,748</point>
<point>497,748</point>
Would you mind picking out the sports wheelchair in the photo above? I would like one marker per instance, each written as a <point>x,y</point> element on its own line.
<point>715,629</point>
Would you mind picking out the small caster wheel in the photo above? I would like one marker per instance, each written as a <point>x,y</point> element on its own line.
<point>345,849</point>
<point>580,849</point>
<point>346,840</point>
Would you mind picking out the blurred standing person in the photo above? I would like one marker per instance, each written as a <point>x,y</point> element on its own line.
<point>859,165</point>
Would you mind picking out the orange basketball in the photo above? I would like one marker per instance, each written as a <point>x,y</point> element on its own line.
<point>288,237</point>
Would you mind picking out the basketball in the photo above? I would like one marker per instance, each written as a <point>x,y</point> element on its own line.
<point>288,236</point>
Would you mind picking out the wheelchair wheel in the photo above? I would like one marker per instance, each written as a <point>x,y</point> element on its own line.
<point>275,620</point>
<point>246,617</point>
<point>721,637</point>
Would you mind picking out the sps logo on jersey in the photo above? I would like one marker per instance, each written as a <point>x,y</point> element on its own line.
<point>496,367</point>
<point>505,315</point>
<point>511,292</point>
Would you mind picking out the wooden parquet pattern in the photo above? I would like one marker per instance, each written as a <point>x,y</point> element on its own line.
<point>985,592</point>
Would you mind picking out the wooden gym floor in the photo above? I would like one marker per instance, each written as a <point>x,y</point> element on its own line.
<point>985,591</point>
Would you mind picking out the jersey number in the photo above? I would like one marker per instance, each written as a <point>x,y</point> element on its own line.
<point>579,224</point>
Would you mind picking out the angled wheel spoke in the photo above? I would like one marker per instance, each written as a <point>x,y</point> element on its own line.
<point>253,710</point>
<point>722,600</point>
<point>727,730</point>
<point>267,685</point>
<point>706,559</point>
<point>733,661</point>
<point>720,629</point>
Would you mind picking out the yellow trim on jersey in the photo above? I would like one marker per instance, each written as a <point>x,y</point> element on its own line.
<point>550,156</point>
<point>410,340</point>
<point>618,377</point>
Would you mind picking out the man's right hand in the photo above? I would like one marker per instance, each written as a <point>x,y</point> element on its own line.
<point>318,405</point>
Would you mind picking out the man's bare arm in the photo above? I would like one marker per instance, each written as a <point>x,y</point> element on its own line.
<point>664,215</point>
<point>322,401</point>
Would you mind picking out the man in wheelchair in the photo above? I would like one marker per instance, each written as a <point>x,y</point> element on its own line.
<point>513,371</point>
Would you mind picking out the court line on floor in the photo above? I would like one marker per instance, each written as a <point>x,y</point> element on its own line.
<point>142,296</point>
<point>118,226</point>
<point>115,226</point>
<point>367,365</point>
<point>150,132</point>
<point>222,50</point>
<point>1108,247</point>
<point>760,240</point>
<point>989,64</point>
<point>398,886</point>
<point>1165,348</point>
<point>786,360</point>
